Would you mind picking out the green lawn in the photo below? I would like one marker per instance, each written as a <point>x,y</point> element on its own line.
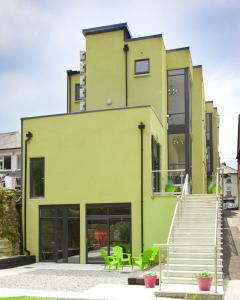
<point>27,298</point>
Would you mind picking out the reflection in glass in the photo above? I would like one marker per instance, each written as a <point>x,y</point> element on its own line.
<point>176,155</point>
<point>120,235</point>
<point>97,239</point>
<point>73,240</point>
<point>176,99</point>
<point>47,241</point>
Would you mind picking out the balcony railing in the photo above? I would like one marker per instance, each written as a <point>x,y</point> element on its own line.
<point>168,181</point>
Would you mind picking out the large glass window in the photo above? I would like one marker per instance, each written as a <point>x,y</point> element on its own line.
<point>60,233</point>
<point>108,225</point>
<point>176,97</point>
<point>37,177</point>
<point>176,152</point>
<point>156,165</point>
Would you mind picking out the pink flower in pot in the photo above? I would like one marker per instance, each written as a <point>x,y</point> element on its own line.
<point>150,279</point>
<point>204,281</point>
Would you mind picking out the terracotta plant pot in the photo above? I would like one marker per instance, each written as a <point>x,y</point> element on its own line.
<point>204,284</point>
<point>150,281</point>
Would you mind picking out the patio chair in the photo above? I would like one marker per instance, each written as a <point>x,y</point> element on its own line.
<point>152,259</point>
<point>121,257</point>
<point>143,260</point>
<point>109,261</point>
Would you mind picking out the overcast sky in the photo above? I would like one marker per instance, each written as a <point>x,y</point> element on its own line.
<point>41,39</point>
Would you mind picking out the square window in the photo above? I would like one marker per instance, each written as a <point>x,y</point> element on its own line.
<point>142,66</point>
<point>37,177</point>
<point>77,92</point>
<point>7,162</point>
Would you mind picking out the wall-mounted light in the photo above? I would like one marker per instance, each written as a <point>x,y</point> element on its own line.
<point>109,102</point>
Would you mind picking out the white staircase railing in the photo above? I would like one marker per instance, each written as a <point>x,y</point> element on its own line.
<point>177,218</point>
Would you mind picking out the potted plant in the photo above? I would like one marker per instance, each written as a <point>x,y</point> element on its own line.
<point>150,279</point>
<point>204,280</point>
<point>170,188</point>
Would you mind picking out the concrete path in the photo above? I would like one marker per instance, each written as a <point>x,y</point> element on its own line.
<point>231,253</point>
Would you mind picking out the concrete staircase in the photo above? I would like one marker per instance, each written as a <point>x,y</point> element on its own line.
<point>5,248</point>
<point>194,225</point>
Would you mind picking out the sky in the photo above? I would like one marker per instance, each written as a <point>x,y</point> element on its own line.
<point>41,39</point>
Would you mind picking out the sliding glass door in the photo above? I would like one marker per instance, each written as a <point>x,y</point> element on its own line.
<point>108,225</point>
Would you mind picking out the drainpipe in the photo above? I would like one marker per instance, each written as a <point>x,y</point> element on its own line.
<point>141,126</point>
<point>28,138</point>
<point>126,49</point>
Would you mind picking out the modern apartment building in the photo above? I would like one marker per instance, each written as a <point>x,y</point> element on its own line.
<point>99,174</point>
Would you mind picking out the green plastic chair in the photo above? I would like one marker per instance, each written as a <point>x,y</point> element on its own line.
<point>152,259</point>
<point>143,260</point>
<point>121,257</point>
<point>109,261</point>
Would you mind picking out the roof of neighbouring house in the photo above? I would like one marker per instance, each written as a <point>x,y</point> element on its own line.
<point>10,140</point>
<point>228,170</point>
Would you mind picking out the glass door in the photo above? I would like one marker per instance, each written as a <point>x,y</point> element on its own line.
<point>59,233</point>
<point>108,225</point>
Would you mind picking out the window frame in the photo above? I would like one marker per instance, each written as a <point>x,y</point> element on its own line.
<point>31,196</point>
<point>135,66</point>
<point>77,87</point>
<point>2,159</point>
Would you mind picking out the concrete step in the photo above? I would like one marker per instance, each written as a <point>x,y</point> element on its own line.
<point>184,280</point>
<point>194,250</point>
<point>193,261</point>
<point>199,268</point>
<point>188,274</point>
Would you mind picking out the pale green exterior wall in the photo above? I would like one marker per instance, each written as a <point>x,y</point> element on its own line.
<point>73,105</point>
<point>95,158</point>
<point>199,182</point>
<point>209,108</point>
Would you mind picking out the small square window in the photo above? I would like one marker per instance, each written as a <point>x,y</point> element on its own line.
<point>77,92</point>
<point>142,66</point>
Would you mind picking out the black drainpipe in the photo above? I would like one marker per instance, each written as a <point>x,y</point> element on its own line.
<point>141,126</point>
<point>28,138</point>
<point>126,49</point>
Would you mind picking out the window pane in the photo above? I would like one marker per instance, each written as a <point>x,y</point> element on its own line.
<point>141,66</point>
<point>77,91</point>
<point>37,177</point>
<point>1,162</point>
<point>19,163</point>
<point>176,144</point>
<point>7,162</point>
<point>176,72</point>
<point>176,99</point>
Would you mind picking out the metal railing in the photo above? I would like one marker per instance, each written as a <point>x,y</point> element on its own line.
<point>177,216</point>
<point>168,181</point>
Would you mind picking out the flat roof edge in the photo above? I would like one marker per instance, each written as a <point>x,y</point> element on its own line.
<point>178,49</point>
<point>89,111</point>
<point>107,28</point>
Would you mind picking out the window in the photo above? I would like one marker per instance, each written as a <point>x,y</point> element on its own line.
<point>176,97</point>
<point>176,151</point>
<point>36,177</point>
<point>156,165</point>
<point>77,92</point>
<point>142,66</point>
<point>19,162</point>
<point>229,180</point>
<point>5,162</point>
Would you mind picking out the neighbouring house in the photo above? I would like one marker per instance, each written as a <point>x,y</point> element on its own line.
<point>108,171</point>
<point>230,187</point>
<point>238,156</point>
<point>10,158</point>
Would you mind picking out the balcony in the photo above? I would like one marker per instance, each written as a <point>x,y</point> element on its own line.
<point>168,182</point>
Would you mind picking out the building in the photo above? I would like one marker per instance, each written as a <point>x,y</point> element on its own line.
<point>107,171</point>
<point>10,155</point>
<point>238,156</point>
<point>212,140</point>
<point>230,187</point>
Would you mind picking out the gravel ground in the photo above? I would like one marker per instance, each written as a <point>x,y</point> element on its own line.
<point>64,280</point>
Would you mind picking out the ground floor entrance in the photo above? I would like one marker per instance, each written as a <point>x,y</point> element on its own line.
<point>107,225</point>
<point>59,233</point>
